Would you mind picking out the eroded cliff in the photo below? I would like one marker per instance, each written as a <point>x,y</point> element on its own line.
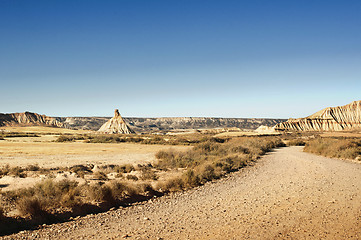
<point>28,119</point>
<point>340,118</point>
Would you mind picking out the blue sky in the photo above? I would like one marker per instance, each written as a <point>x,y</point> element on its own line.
<point>274,59</point>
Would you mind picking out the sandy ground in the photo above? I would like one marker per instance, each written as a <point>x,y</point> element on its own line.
<point>53,154</point>
<point>42,130</point>
<point>289,194</point>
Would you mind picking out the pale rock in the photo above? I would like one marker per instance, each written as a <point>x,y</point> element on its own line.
<point>116,125</point>
<point>346,117</point>
<point>28,119</point>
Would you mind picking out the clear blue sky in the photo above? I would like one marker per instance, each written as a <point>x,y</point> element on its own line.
<point>254,58</point>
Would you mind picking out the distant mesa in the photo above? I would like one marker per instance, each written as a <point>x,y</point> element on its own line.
<point>116,125</point>
<point>137,124</point>
<point>346,117</point>
<point>28,119</point>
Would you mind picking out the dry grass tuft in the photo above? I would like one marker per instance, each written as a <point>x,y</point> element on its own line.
<point>100,176</point>
<point>333,147</point>
<point>212,159</point>
<point>296,142</point>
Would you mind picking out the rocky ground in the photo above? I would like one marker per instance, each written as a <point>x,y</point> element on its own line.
<point>288,194</point>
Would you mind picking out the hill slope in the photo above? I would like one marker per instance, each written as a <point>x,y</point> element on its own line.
<point>346,117</point>
<point>28,119</point>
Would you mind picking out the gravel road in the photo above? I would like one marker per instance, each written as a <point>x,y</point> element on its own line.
<point>288,194</point>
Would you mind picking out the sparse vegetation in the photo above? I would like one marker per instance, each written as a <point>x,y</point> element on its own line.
<point>5,170</point>
<point>99,175</point>
<point>334,147</point>
<point>211,160</point>
<point>296,142</point>
<point>208,159</point>
<point>17,134</point>
<point>132,177</point>
<point>50,199</point>
<point>126,168</point>
<point>143,139</point>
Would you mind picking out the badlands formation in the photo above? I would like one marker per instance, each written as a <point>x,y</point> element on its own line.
<point>346,117</point>
<point>28,119</point>
<point>116,125</point>
<point>137,124</point>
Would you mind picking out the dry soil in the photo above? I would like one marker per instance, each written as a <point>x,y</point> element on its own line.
<point>288,194</point>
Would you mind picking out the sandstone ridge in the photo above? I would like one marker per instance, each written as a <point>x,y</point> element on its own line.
<point>28,119</point>
<point>340,118</point>
<point>140,124</point>
<point>116,125</point>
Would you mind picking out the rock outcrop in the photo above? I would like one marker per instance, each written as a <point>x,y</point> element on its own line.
<point>265,130</point>
<point>28,119</point>
<point>346,117</point>
<point>116,125</point>
<point>172,123</point>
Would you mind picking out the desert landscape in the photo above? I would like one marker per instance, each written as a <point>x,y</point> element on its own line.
<point>58,182</point>
<point>177,120</point>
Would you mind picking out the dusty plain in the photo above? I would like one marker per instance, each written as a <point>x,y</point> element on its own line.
<point>44,152</point>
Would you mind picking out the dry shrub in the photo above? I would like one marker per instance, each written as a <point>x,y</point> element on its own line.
<point>296,142</point>
<point>32,206</point>
<point>191,179</point>
<point>148,174</point>
<point>131,177</point>
<point>71,138</point>
<point>122,190</point>
<point>171,185</point>
<point>71,199</point>
<point>114,191</point>
<point>100,193</point>
<point>45,196</point>
<point>100,176</point>
<point>83,168</point>
<point>18,172</point>
<point>32,168</point>
<point>207,173</point>
<point>332,147</point>
<point>212,158</point>
<point>126,168</point>
<point>5,170</point>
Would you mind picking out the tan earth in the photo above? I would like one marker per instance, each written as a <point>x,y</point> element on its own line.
<point>288,194</point>
<point>23,153</point>
<point>341,118</point>
<point>53,154</point>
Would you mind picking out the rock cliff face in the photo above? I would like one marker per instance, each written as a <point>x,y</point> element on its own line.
<point>137,124</point>
<point>172,123</point>
<point>116,125</point>
<point>28,119</point>
<point>346,117</point>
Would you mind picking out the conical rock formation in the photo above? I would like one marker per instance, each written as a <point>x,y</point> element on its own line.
<point>116,125</point>
<point>346,117</point>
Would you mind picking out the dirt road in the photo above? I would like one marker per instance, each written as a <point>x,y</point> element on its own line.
<point>289,194</point>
